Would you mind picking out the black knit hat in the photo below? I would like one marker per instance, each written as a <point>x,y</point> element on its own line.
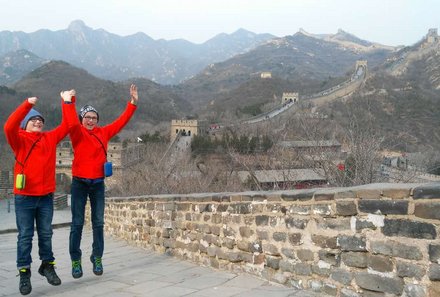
<point>85,109</point>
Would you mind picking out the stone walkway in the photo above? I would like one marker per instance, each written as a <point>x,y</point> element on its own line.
<point>128,271</point>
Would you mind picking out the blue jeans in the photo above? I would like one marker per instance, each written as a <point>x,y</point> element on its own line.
<point>30,210</point>
<point>81,189</point>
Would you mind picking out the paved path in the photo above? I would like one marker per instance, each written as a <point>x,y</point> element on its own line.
<point>128,271</point>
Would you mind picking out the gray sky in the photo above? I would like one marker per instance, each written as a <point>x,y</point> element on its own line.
<point>390,22</point>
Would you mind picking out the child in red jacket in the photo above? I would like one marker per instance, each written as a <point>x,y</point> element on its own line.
<point>34,175</point>
<point>89,143</point>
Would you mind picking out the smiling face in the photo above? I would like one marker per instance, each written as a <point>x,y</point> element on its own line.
<point>35,124</point>
<point>90,120</point>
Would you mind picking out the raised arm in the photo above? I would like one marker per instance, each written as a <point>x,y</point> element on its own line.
<point>12,125</point>
<point>114,128</point>
<point>69,109</point>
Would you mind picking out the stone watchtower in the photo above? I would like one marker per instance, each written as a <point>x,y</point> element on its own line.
<point>289,97</point>
<point>432,36</point>
<point>185,127</point>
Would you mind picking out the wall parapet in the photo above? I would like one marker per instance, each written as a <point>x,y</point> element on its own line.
<point>360,241</point>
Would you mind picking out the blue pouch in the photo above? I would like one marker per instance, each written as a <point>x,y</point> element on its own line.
<point>108,169</point>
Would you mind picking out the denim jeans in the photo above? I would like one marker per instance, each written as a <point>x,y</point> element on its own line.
<point>81,189</point>
<point>30,210</point>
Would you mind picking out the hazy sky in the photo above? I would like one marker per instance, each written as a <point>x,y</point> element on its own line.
<point>390,22</point>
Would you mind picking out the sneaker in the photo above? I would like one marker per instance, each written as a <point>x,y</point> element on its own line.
<point>97,265</point>
<point>77,271</point>
<point>47,269</point>
<point>25,281</point>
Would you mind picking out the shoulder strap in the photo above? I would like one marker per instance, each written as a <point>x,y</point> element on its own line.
<point>28,154</point>
<point>103,147</point>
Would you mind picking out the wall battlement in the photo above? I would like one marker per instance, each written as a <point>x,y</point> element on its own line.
<point>378,239</point>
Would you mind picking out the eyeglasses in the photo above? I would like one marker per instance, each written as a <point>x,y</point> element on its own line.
<point>34,120</point>
<point>89,118</point>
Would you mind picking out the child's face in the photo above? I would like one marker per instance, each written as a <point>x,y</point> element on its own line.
<point>35,124</point>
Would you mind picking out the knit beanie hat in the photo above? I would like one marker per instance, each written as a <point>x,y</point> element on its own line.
<point>31,114</point>
<point>85,109</point>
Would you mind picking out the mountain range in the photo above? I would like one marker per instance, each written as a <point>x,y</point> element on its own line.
<point>402,87</point>
<point>115,57</point>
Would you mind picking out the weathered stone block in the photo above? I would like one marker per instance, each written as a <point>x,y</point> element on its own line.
<point>383,206</point>
<point>273,262</point>
<point>429,210</point>
<point>286,266</point>
<point>330,257</point>
<point>434,253</point>
<point>227,231</point>
<point>355,259</point>
<point>243,245</point>
<point>295,238</point>
<point>234,257</point>
<point>262,235</point>
<point>405,269</point>
<point>298,196</point>
<point>408,228</point>
<point>241,208</point>
<point>215,230</point>
<point>434,272</point>
<point>324,241</point>
<point>304,210</point>
<point>228,242</point>
<point>303,269</point>
<point>380,263</point>
<point>324,196</point>
<point>346,208</point>
<point>247,257</point>
<point>289,253</point>
<point>322,209</point>
<point>352,243</point>
<point>262,220</point>
<point>428,191</point>
<point>363,224</point>
<point>339,224</point>
<point>342,276</point>
<point>296,223</point>
<point>304,255</point>
<point>256,247</point>
<point>279,236</point>
<point>413,290</point>
<point>270,249</point>
<point>349,293</point>
<point>379,283</point>
<point>321,270</point>
<point>330,289</point>
<point>246,232</point>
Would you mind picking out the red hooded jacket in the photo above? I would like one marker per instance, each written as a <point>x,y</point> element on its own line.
<point>89,155</point>
<point>39,168</point>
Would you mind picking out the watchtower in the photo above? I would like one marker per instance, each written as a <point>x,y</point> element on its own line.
<point>289,97</point>
<point>432,36</point>
<point>185,127</point>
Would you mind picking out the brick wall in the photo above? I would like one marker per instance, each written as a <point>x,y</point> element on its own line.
<point>373,240</point>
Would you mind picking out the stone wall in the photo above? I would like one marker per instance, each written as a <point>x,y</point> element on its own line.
<point>373,240</point>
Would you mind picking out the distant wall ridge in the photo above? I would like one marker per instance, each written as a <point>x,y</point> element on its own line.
<point>371,240</point>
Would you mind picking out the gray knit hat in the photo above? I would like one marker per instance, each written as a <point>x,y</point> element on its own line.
<point>85,109</point>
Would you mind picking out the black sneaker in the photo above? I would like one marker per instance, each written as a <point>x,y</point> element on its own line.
<point>77,271</point>
<point>25,281</point>
<point>47,269</point>
<point>97,265</point>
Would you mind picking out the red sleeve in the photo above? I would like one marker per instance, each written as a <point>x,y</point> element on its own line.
<point>61,131</point>
<point>112,129</point>
<point>12,125</point>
